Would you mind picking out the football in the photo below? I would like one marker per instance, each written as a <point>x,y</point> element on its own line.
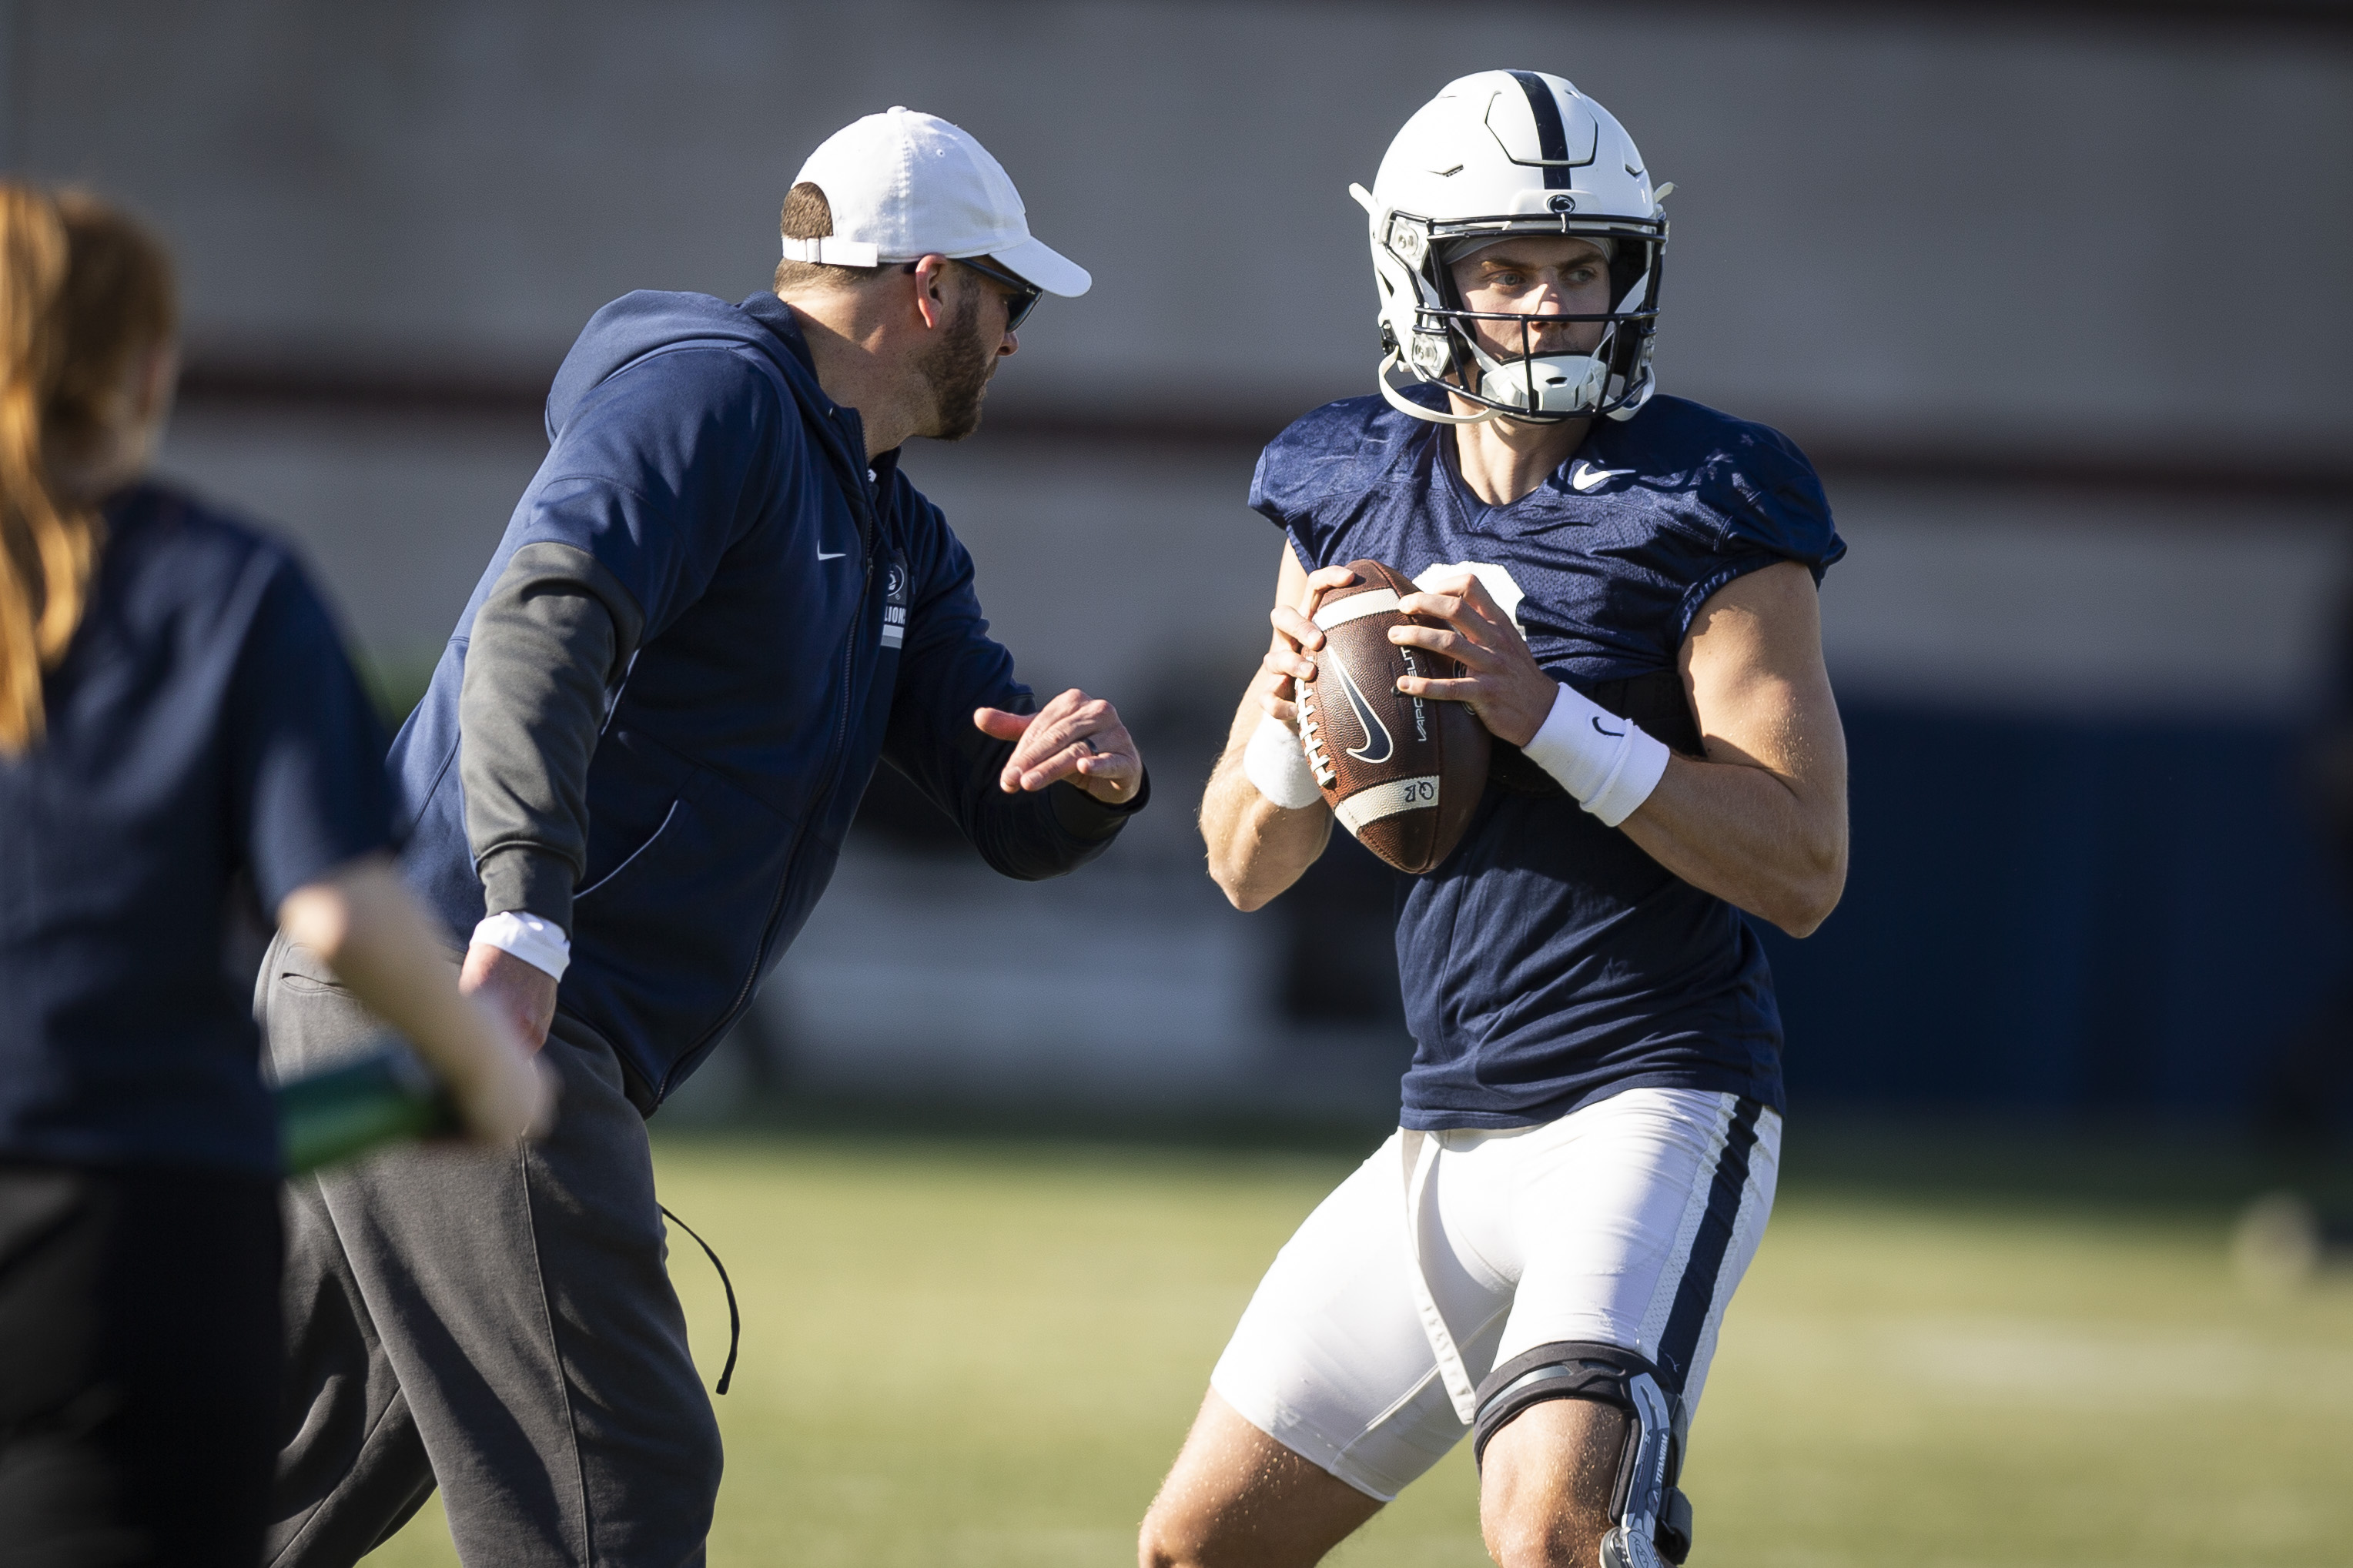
<point>1403,774</point>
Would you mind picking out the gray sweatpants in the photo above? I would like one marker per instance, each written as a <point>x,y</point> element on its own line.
<point>500,1323</point>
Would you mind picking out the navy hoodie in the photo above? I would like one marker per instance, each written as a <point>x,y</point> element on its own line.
<point>788,617</point>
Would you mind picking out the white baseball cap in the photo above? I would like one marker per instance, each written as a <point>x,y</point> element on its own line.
<point>904,185</point>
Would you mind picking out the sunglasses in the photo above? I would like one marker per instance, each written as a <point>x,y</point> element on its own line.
<point>1026,294</point>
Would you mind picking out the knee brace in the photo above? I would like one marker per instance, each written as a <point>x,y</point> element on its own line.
<point>1649,1517</point>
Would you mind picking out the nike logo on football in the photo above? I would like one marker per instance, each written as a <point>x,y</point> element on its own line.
<point>1584,475</point>
<point>1377,744</point>
<point>837,555</point>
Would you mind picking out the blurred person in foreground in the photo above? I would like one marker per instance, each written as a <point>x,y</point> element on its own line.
<point>1539,1258</point>
<point>179,728</point>
<point>717,606</point>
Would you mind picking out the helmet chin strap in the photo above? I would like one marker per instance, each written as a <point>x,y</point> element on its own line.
<point>1403,405</point>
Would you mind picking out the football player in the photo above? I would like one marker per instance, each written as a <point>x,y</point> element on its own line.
<point>1540,1258</point>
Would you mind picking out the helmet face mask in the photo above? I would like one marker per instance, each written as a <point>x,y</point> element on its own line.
<point>1496,155</point>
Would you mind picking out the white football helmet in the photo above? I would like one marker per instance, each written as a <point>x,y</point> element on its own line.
<point>1507,153</point>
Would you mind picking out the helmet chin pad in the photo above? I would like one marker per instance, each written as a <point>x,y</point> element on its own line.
<point>1562,384</point>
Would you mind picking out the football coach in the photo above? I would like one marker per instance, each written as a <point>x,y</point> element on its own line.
<point>717,605</point>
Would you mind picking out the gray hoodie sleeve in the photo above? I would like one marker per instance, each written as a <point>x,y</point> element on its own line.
<point>546,647</point>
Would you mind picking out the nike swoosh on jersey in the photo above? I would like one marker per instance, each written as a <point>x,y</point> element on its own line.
<point>837,555</point>
<point>1376,733</point>
<point>1585,476</point>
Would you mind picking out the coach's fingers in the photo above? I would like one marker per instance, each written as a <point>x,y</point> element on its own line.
<point>998,724</point>
<point>1001,725</point>
<point>1054,769</point>
<point>1052,742</point>
<point>1113,772</point>
<point>1104,765</point>
<point>1064,718</point>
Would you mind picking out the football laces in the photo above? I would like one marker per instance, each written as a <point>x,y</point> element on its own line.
<point>1311,735</point>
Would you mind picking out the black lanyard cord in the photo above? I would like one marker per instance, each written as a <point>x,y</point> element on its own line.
<point>734,1319</point>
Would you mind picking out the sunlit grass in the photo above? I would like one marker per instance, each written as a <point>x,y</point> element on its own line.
<point>961,1353</point>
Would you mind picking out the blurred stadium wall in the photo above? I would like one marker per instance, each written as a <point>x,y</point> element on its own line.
<point>2055,294</point>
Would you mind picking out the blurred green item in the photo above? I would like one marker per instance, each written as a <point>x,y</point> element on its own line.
<point>342,1112</point>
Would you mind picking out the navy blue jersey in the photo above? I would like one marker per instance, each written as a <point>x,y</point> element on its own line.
<point>1550,961</point>
<point>207,738</point>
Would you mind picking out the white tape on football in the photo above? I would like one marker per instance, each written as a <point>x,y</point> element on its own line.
<point>1389,799</point>
<point>1357,606</point>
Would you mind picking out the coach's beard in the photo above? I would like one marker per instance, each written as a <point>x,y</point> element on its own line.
<point>958,367</point>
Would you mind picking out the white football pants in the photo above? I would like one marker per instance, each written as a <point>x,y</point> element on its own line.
<point>1628,1222</point>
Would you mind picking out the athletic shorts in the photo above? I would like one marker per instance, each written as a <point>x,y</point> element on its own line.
<point>1627,1222</point>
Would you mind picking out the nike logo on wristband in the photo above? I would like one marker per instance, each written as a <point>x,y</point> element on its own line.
<point>1613,734</point>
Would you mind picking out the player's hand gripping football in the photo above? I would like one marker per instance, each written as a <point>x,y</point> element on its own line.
<point>1076,738</point>
<point>1502,681</point>
<point>1296,639</point>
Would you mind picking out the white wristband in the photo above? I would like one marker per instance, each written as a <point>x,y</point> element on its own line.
<point>1276,763</point>
<point>1608,765</point>
<point>538,942</point>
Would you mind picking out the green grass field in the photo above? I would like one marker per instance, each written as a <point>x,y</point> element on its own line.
<point>984,1354</point>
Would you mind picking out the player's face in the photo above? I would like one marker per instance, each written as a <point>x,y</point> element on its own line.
<point>1536,275</point>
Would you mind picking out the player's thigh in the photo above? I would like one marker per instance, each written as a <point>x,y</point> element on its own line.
<point>1331,1358</point>
<point>1637,1223</point>
<point>1238,1498</point>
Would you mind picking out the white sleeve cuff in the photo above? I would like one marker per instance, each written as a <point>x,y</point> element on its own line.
<point>1276,765</point>
<point>1609,765</point>
<point>538,942</point>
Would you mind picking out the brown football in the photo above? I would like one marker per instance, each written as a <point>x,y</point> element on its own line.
<point>1403,774</point>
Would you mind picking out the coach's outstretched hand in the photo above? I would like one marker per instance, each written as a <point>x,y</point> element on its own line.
<point>1074,737</point>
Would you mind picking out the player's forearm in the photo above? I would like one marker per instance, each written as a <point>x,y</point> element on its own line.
<point>1771,845</point>
<point>1256,848</point>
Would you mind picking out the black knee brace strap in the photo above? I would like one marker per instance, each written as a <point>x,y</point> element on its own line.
<point>1580,1369</point>
<point>1566,1369</point>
